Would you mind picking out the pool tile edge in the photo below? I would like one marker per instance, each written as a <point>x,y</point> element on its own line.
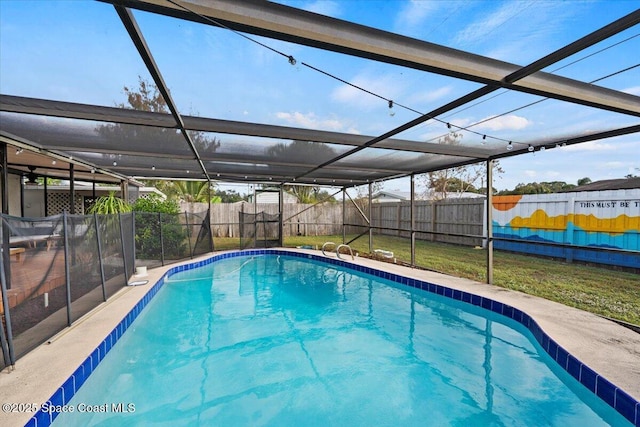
<point>614,396</point>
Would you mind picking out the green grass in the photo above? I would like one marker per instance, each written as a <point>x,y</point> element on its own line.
<point>599,290</point>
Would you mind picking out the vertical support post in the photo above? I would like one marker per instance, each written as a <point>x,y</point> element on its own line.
<point>370,204</point>
<point>97,227</point>
<point>209,217</point>
<point>67,271</point>
<point>5,178</point>
<point>281,217</point>
<point>46,197</point>
<point>161,239</point>
<point>124,252</point>
<point>186,224</point>
<point>72,190</point>
<point>413,221</point>
<point>489,208</point>
<point>6,342</point>
<point>124,190</point>
<point>22,197</point>
<point>133,240</point>
<point>6,260</point>
<point>210,230</point>
<point>344,215</point>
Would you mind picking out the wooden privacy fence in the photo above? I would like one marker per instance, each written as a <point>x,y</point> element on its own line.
<point>446,218</point>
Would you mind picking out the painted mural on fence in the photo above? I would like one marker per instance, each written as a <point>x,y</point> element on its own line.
<point>595,219</point>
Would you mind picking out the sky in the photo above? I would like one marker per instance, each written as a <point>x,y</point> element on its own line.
<point>78,51</point>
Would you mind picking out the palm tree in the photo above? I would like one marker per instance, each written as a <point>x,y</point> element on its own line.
<point>189,191</point>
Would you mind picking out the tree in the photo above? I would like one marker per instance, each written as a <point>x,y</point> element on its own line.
<point>539,188</point>
<point>189,191</point>
<point>147,97</point>
<point>300,152</point>
<point>229,196</point>
<point>584,181</point>
<point>462,179</point>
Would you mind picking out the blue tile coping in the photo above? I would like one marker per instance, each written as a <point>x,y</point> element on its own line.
<point>626,405</point>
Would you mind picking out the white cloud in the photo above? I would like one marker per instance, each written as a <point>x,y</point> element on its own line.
<point>509,122</point>
<point>386,86</point>
<point>590,146</point>
<point>478,30</point>
<point>635,90</point>
<point>530,173</point>
<point>612,165</point>
<point>310,121</point>
<point>324,7</point>
<point>430,96</point>
<point>414,13</point>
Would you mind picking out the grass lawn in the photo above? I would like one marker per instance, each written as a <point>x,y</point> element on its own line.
<point>599,290</point>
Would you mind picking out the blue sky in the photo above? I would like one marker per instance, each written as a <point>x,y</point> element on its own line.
<point>78,51</point>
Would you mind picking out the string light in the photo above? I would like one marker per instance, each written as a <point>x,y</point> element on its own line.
<point>510,146</point>
<point>391,112</point>
<point>448,125</point>
<point>53,162</point>
<point>292,60</point>
<point>530,149</point>
<point>542,148</point>
<point>93,170</point>
<point>153,168</point>
<point>115,163</point>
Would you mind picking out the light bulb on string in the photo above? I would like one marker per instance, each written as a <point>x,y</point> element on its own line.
<point>391,112</point>
<point>530,149</point>
<point>509,146</point>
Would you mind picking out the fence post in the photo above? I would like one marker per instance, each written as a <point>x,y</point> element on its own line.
<point>161,239</point>
<point>413,221</point>
<point>186,224</point>
<point>124,252</point>
<point>370,222</point>
<point>434,212</point>
<point>104,289</point>
<point>67,273</point>
<point>210,228</point>
<point>344,215</point>
<point>489,215</point>
<point>133,240</point>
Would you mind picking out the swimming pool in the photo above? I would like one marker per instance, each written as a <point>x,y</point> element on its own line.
<point>349,345</point>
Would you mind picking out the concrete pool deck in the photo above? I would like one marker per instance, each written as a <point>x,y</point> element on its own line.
<point>611,350</point>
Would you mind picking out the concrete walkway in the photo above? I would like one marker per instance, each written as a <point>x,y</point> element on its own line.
<point>611,350</point>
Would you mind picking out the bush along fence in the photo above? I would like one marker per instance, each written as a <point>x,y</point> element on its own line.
<point>56,269</point>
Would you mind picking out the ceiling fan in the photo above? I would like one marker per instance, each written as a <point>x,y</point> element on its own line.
<point>32,176</point>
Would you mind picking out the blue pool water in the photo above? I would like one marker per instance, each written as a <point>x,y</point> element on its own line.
<point>282,341</point>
